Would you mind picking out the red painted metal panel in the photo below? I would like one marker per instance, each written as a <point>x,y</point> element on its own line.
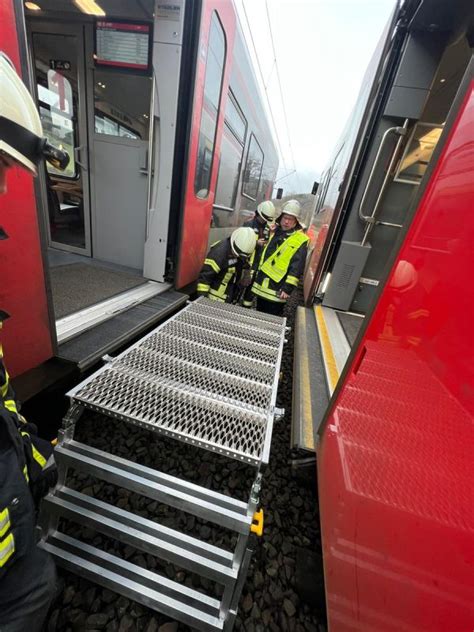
<point>197,212</point>
<point>395,459</point>
<point>26,335</point>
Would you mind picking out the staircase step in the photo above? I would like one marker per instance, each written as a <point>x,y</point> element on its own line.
<point>150,589</point>
<point>194,499</point>
<point>167,544</point>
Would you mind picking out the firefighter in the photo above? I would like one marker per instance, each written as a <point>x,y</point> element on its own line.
<point>227,267</point>
<point>27,468</point>
<point>282,261</point>
<point>261,224</point>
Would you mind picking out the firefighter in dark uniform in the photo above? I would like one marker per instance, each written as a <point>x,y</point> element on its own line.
<point>227,267</point>
<point>261,224</point>
<point>27,468</point>
<point>282,262</point>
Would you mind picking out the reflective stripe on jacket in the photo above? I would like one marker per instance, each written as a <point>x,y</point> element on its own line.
<point>23,456</point>
<point>281,265</point>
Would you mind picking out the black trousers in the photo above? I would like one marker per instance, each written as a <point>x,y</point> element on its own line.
<point>270,307</point>
<point>26,592</point>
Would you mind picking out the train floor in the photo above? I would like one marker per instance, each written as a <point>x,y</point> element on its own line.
<point>78,282</point>
<point>284,587</point>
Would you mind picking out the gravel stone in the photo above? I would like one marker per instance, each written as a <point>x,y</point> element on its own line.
<point>247,603</point>
<point>96,621</point>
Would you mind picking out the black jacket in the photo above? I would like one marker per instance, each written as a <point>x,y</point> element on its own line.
<point>221,273</point>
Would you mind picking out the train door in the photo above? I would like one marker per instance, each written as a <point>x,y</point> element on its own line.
<point>415,107</point>
<point>100,115</point>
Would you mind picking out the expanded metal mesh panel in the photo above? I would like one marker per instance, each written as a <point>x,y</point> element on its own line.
<point>205,378</point>
<point>243,332</point>
<point>198,379</point>
<point>258,320</point>
<point>211,358</point>
<point>239,311</point>
<point>210,424</point>
<point>217,340</point>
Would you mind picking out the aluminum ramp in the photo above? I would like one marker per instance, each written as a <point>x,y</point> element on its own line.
<point>208,377</point>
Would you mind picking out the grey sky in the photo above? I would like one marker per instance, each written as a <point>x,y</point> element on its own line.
<point>323,48</point>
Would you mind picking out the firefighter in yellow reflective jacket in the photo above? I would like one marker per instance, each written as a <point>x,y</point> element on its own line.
<point>27,468</point>
<point>282,261</point>
<point>227,267</point>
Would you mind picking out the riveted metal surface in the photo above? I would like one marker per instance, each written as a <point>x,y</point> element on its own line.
<point>198,378</point>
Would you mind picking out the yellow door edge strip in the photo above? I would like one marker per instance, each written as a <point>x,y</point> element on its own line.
<point>308,436</point>
<point>328,355</point>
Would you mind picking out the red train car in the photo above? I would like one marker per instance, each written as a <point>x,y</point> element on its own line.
<point>170,148</point>
<point>383,370</point>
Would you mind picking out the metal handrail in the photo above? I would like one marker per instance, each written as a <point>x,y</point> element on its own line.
<point>391,130</point>
<point>370,219</point>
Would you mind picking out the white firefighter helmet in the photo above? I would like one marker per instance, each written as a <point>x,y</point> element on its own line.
<point>266,210</point>
<point>243,241</point>
<point>292,207</point>
<point>21,131</point>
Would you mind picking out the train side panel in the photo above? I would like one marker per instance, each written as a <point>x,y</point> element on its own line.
<point>395,456</point>
<point>198,200</point>
<point>26,335</point>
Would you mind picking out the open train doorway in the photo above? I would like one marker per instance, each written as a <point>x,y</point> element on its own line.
<point>93,82</point>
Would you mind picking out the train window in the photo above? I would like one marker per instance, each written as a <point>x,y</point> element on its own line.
<point>253,169</point>
<point>56,110</point>
<point>232,149</point>
<point>210,107</point>
<point>418,153</point>
<point>229,171</point>
<point>121,104</point>
<point>235,119</point>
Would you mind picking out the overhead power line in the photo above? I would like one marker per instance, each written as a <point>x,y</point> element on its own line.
<point>281,93</point>
<point>265,86</point>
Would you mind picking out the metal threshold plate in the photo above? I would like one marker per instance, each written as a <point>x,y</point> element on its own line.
<point>207,376</point>
<point>74,324</point>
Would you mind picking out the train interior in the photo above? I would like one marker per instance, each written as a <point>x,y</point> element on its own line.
<point>95,91</point>
<point>417,103</point>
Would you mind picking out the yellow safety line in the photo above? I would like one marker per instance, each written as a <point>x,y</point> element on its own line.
<point>329,359</point>
<point>306,390</point>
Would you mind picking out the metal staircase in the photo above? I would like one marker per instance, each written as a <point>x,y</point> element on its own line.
<point>207,377</point>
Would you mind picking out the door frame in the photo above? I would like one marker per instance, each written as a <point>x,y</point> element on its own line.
<point>80,31</point>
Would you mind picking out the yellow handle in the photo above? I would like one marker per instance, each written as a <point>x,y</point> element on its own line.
<point>54,442</point>
<point>257,523</point>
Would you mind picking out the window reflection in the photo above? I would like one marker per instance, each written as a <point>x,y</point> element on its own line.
<point>210,107</point>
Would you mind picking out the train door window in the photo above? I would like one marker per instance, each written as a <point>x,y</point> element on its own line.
<point>418,153</point>
<point>122,104</point>
<point>210,108</point>
<point>232,149</point>
<point>56,109</point>
<point>253,169</point>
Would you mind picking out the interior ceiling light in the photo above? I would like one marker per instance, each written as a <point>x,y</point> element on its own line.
<point>442,80</point>
<point>32,6</point>
<point>89,6</point>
